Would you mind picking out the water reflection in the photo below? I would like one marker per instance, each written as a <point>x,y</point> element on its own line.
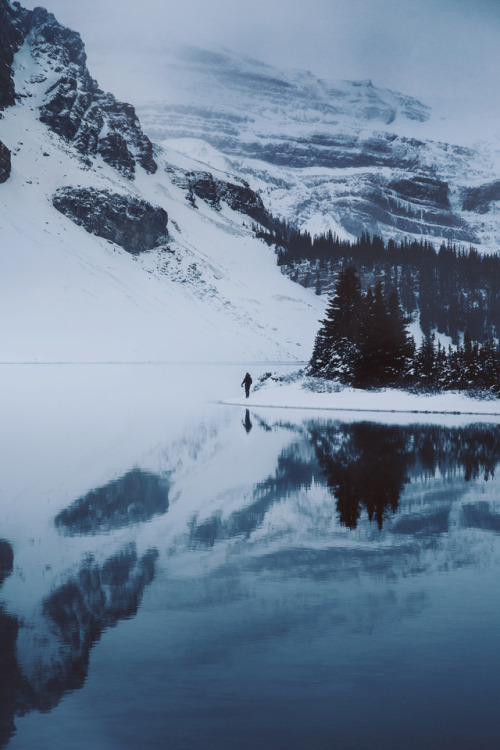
<point>9,678</point>
<point>247,422</point>
<point>480,516</point>
<point>295,470</point>
<point>134,498</point>
<point>42,662</point>
<point>6,560</point>
<point>367,465</point>
<point>79,610</point>
<point>291,551</point>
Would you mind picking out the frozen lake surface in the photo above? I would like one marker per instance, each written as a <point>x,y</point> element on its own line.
<point>177,572</point>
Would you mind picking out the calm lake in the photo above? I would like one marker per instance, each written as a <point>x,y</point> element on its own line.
<point>179,573</point>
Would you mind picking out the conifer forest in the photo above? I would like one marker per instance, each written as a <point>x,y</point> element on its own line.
<point>450,289</point>
<point>377,288</point>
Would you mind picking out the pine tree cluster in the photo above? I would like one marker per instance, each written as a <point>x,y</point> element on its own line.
<point>452,289</point>
<point>363,341</point>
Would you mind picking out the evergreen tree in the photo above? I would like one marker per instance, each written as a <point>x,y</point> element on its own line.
<point>373,343</point>
<point>425,363</point>
<point>336,347</point>
<point>385,346</point>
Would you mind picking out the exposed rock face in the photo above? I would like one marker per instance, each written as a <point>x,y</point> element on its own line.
<point>407,204</point>
<point>130,222</point>
<point>78,110</point>
<point>423,190</point>
<point>74,106</point>
<point>332,154</point>
<point>4,162</point>
<point>11,37</point>
<point>240,197</point>
<point>479,199</point>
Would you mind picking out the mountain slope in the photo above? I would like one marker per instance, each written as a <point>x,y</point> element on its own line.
<point>111,252</point>
<point>339,155</point>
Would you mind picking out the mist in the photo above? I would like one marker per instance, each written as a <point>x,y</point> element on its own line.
<point>444,52</point>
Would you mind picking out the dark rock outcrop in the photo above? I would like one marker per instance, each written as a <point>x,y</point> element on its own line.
<point>74,107</point>
<point>4,162</point>
<point>78,110</point>
<point>239,197</point>
<point>422,190</point>
<point>12,29</point>
<point>411,205</point>
<point>479,199</point>
<point>130,222</point>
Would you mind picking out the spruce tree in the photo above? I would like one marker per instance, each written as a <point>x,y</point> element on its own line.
<point>336,347</point>
<point>385,346</point>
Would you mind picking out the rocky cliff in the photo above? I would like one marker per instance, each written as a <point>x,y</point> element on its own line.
<point>69,100</point>
<point>5,163</point>
<point>130,222</point>
<point>341,155</point>
<point>12,33</point>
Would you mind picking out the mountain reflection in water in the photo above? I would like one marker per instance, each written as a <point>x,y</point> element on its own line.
<point>134,498</point>
<point>73,618</point>
<point>365,466</point>
<point>283,554</point>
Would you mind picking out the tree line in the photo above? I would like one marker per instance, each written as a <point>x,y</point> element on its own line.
<point>363,341</point>
<point>451,289</point>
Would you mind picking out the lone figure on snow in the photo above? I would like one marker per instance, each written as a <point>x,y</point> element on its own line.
<point>247,382</point>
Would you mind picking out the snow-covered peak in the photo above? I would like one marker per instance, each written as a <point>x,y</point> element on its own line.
<point>344,156</point>
<point>221,81</point>
<point>111,255</point>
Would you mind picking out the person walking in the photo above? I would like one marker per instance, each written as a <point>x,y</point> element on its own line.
<point>247,382</point>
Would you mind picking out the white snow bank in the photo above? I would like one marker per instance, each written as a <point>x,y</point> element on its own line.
<point>296,393</point>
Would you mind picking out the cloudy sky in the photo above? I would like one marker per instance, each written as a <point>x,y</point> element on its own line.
<point>444,52</point>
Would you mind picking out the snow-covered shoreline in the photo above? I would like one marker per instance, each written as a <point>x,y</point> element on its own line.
<point>297,392</point>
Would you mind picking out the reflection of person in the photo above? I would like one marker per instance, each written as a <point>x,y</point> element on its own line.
<point>247,423</point>
<point>247,382</point>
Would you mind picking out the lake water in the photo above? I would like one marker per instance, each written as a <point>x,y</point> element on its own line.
<point>178,573</point>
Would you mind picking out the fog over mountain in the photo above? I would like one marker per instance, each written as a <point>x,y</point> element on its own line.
<point>444,53</point>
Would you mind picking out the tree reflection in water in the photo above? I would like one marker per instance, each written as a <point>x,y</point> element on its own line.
<point>367,465</point>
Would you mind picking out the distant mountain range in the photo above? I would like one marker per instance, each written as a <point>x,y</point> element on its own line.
<point>339,155</point>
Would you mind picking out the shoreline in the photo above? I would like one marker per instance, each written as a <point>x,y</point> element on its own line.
<point>296,394</point>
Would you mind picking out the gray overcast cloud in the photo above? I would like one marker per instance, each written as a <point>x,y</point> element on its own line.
<point>445,52</point>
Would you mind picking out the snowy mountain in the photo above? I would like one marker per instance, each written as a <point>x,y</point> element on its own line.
<point>339,155</point>
<point>114,249</point>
